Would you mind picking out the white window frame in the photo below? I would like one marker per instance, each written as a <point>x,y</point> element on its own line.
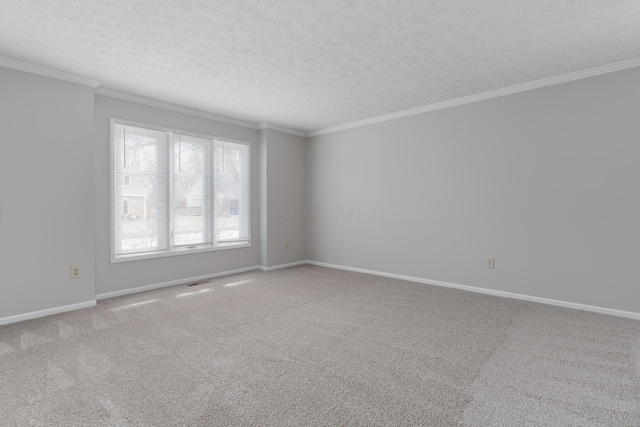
<point>175,250</point>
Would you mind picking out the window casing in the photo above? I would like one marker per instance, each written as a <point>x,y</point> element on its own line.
<point>174,192</point>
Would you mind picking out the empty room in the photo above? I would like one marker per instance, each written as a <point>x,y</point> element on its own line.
<point>319,213</point>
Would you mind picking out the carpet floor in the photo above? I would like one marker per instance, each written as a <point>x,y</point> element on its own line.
<point>312,346</point>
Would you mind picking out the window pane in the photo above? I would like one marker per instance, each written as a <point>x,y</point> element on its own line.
<point>173,191</point>
<point>231,192</point>
<point>192,187</point>
<point>139,189</point>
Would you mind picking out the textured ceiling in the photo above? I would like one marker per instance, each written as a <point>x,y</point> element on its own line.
<point>310,65</point>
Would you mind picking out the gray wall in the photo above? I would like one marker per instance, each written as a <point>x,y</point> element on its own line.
<point>282,197</point>
<point>46,193</point>
<point>132,274</point>
<point>263,196</point>
<point>545,181</point>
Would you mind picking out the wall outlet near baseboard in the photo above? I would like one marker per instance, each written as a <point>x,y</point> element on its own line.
<point>491,263</point>
<point>75,272</point>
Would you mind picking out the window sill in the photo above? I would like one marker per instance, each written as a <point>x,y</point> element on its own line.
<point>176,252</point>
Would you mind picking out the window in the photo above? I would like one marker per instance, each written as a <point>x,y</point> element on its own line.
<point>174,192</point>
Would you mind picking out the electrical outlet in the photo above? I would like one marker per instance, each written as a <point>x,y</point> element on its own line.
<point>491,262</point>
<point>286,245</point>
<point>75,272</point>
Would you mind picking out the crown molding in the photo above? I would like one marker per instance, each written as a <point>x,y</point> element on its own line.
<point>265,125</point>
<point>48,72</point>
<point>96,84</point>
<point>550,81</point>
<point>112,93</point>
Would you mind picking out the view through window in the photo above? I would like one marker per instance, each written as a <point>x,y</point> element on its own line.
<point>175,192</point>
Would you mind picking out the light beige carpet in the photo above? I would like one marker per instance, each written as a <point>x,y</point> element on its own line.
<point>310,346</point>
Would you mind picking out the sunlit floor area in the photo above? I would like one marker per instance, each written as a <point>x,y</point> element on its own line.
<point>312,346</point>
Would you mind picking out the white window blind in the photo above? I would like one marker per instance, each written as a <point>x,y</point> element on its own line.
<point>140,186</point>
<point>192,191</point>
<point>175,192</point>
<point>231,186</point>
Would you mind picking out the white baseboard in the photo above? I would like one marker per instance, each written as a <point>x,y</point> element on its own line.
<point>47,312</point>
<point>192,280</point>
<point>566,304</point>
<point>174,282</point>
<point>278,267</point>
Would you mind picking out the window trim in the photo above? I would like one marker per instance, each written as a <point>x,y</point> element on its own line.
<point>170,251</point>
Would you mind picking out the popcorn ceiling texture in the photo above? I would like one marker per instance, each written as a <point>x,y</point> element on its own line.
<point>316,64</point>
